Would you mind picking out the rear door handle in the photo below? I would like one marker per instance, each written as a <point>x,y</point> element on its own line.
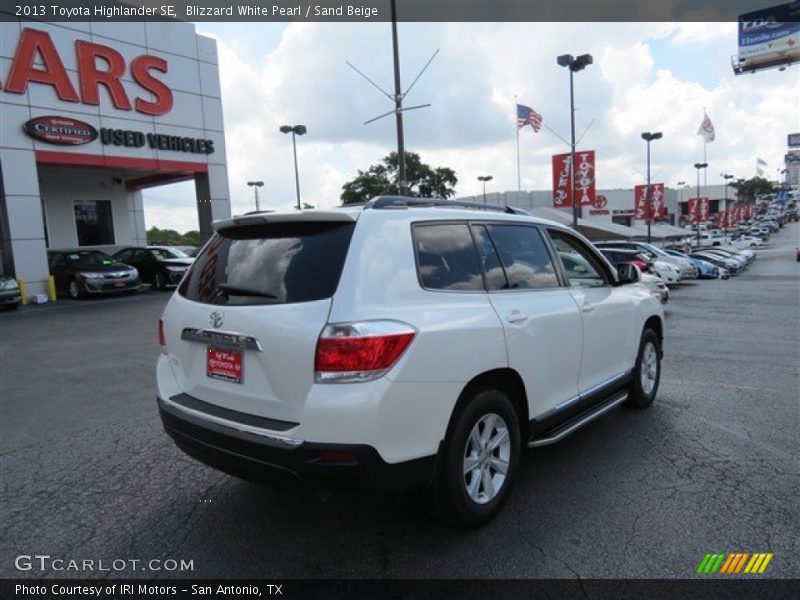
<point>517,317</point>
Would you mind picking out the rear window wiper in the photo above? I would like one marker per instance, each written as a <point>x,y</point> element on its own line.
<point>243,291</point>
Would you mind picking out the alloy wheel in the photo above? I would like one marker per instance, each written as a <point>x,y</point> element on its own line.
<point>486,458</point>
<point>648,371</point>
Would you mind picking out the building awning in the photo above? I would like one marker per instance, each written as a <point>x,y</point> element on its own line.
<point>594,230</point>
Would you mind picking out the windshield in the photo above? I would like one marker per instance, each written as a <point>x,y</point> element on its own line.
<point>88,258</point>
<point>168,253</point>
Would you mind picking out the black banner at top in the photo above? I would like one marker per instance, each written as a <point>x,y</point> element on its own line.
<point>380,10</point>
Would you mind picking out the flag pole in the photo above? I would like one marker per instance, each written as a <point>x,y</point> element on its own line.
<point>705,158</point>
<point>516,126</point>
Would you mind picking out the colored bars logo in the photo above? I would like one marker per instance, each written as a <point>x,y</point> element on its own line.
<point>734,563</point>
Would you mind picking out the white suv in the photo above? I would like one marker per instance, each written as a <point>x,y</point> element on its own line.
<point>404,343</point>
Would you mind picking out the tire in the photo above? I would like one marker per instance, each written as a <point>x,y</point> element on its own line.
<point>160,281</point>
<point>646,372</point>
<point>477,496</point>
<point>74,289</point>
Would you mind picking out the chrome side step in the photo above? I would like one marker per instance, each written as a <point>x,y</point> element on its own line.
<point>559,434</point>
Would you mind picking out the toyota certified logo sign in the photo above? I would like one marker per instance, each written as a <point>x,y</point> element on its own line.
<point>216,319</point>
<point>63,131</point>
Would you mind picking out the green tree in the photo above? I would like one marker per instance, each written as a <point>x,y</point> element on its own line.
<point>748,189</point>
<point>170,237</point>
<point>381,179</point>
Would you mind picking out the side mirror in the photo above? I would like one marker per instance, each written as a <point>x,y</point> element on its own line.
<point>628,273</point>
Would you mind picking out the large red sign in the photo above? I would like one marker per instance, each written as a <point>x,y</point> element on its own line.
<point>722,219</point>
<point>656,202</point>
<point>698,210</point>
<point>584,179</point>
<point>37,48</point>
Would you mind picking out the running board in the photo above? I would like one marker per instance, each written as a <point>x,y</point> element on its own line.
<point>558,434</point>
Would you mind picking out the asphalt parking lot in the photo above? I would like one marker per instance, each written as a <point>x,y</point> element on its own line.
<point>713,466</point>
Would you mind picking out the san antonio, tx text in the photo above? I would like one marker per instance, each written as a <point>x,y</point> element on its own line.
<point>130,589</point>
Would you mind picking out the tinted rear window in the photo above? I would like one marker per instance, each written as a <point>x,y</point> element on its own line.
<point>274,263</point>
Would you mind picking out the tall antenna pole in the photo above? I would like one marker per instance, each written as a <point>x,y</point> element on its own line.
<point>516,127</point>
<point>398,101</point>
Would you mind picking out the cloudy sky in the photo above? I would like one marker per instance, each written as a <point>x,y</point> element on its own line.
<point>656,77</point>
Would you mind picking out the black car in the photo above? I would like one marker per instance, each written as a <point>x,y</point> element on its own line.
<point>10,296</point>
<point>155,266</point>
<point>80,273</point>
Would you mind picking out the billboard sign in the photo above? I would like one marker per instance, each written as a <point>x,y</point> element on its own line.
<point>584,180</point>
<point>770,36</point>
<point>656,202</point>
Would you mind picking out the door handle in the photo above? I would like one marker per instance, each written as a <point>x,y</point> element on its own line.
<point>516,317</point>
<point>586,307</point>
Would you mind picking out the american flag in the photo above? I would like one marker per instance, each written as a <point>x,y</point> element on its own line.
<point>527,116</point>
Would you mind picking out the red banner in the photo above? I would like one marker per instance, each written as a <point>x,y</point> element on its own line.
<point>735,210</point>
<point>584,179</point>
<point>698,210</point>
<point>656,201</point>
<point>722,219</point>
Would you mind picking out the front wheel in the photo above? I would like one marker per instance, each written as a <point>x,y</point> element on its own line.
<point>160,281</point>
<point>74,289</point>
<point>480,458</point>
<point>646,372</point>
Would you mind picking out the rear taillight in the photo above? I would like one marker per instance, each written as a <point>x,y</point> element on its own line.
<point>359,351</point>
<point>162,339</point>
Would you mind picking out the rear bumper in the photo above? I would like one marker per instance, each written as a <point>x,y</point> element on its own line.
<point>280,461</point>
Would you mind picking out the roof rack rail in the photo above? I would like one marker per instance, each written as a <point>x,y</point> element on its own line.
<point>404,202</point>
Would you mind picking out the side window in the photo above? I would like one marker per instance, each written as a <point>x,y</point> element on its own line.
<point>583,269</point>
<point>492,269</point>
<point>124,255</point>
<point>524,257</point>
<point>446,257</point>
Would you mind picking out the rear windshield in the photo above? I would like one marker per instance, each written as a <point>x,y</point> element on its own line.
<point>274,263</point>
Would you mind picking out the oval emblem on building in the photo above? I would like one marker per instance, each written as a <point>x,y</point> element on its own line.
<point>64,131</point>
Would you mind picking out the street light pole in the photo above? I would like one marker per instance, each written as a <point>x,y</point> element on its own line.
<point>484,179</point>
<point>398,103</point>
<point>255,185</point>
<point>698,166</point>
<point>296,130</point>
<point>649,137</point>
<point>725,177</point>
<point>574,65</point>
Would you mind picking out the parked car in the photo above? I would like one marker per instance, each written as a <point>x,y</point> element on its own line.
<point>656,285</point>
<point>623,256</point>
<point>81,273</point>
<point>705,270</point>
<point>10,295</point>
<point>686,268</point>
<point>718,260</point>
<point>403,344</point>
<point>158,265</point>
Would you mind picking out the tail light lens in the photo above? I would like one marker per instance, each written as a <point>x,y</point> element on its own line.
<point>162,339</point>
<point>360,351</point>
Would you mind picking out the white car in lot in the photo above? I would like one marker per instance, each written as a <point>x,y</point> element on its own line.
<point>668,272</point>
<point>405,343</point>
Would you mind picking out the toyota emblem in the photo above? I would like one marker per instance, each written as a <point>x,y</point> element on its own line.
<point>216,319</point>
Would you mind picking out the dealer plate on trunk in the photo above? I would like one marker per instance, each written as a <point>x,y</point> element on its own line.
<point>226,365</point>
